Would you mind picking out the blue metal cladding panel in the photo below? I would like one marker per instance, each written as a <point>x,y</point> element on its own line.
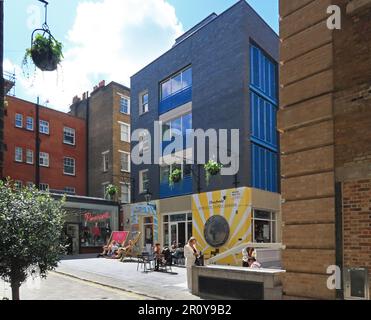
<point>183,187</point>
<point>265,175</point>
<point>176,100</point>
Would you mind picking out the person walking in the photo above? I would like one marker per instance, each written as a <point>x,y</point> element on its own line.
<point>190,254</point>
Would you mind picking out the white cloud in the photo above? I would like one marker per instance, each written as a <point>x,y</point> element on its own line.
<point>111,40</point>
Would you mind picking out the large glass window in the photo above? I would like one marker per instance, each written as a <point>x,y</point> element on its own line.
<point>176,83</point>
<point>177,228</point>
<point>264,226</point>
<point>179,125</point>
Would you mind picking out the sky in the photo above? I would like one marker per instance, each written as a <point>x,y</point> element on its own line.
<point>102,40</point>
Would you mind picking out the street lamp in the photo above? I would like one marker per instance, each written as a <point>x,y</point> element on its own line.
<point>148,197</point>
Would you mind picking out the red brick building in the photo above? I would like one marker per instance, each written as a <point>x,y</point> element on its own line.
<point>62,147</point>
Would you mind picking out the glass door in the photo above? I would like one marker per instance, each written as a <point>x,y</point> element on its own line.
<point>173,233</point>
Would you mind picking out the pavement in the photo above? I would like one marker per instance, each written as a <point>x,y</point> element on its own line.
<point>124,276</point>
<point>61,287</point>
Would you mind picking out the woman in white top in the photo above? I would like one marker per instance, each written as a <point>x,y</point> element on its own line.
<point>190,254</point>
<point>246,253</point>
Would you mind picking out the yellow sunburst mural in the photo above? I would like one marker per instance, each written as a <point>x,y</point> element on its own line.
<point>234,205</point>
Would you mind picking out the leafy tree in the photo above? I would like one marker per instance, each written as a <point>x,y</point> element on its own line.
<point>31,225</point>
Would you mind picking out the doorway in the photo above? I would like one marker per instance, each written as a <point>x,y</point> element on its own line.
<point>177,228</point>
<point>73,234</point>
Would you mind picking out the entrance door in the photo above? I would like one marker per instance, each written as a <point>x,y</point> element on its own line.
<point>178,233</point>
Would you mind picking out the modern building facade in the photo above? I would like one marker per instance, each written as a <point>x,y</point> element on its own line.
<point>325,119</point>
<point>60,164</point>
<point>107,114</point>
<point>221,74</point>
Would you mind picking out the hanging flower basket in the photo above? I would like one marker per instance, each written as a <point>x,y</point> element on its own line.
<point>212,168</point>
<point>175,176</point>
<point>45,52</point>
<point>111,191</point>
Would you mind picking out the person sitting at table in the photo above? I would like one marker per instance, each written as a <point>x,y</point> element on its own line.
<point>122,250</point>
<point>157,255</point>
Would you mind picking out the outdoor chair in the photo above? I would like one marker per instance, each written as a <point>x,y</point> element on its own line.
<point>133,252</point>
<point>145,261</point>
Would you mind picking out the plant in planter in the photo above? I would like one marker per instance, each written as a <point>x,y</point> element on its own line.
<point>45,52</point>
<point>111,191</point>
<point>175,176</point>
<point>212,168</point>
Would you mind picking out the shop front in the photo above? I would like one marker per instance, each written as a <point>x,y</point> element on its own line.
<point>225,219</point>
<point>89,223</point>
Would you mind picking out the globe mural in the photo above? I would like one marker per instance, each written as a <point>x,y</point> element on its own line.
<point>216,231</point>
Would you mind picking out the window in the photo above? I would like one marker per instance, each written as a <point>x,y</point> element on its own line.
<point>69,166</point>
<point>125,161</point>
<point>29,156</point>
<point>143,142</point>
<point>166,170</point>
<point>124,105</point>
<point>69,136</point>
<point>105,161</point>
<point>264,226</point>
<point>125,132</point>
<point>182,80</point>
<point>70,190</point>
<point>29,123</point>
<point>179,125</point>
<point>177,228</point>
<point>125,193</point>
<point>143,103</point>
<point>143,181</point>
<point>18,184</point>
<point>44,127</point>
<point>29,184</point>
<point>19,120</point>
<point>44,159</point>
<point>18,154</point>
<point>105,185</point>
<point>44,187</point>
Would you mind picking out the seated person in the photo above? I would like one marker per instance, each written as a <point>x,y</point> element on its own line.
<point>109,250</point>
<point>246,253</point>
<point>253,264</point>
<point>158,256</point>
<point>120,252</point>
<point>178,254</point>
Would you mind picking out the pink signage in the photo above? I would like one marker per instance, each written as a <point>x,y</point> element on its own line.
<point>96,217</point>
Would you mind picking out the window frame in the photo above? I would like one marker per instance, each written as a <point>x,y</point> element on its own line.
<point>27,154</point>
<point>33,126</point>
<point>64,166</point>
<point>272,224</point>
<point>16,154</point>
<point>74,135</point>
<point>21,120</point>
<point>123,184</point>
<point>180,72</point>
<point>41,122</point>
<point>123,124</point>
<point>48,158</point>
<point>144,110</point>
<point>142,190</point>
<point>129,161</point>
<point>46,185</point>
<point>122,97</point>
<point>105,163</point>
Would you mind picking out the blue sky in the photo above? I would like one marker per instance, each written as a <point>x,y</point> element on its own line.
<point>127,33</point>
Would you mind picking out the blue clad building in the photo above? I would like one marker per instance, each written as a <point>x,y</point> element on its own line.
<point>221,74</point>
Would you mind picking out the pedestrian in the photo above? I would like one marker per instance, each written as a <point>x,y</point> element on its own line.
<point>191,254</point>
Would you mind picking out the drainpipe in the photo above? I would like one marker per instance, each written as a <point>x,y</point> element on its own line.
<point>87,143</point>
<point>37,144</point>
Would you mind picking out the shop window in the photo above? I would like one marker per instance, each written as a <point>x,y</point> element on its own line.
<point>264,226</point>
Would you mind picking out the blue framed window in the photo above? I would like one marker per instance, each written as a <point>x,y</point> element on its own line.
<point>263,110</point>
<point>180,124</point>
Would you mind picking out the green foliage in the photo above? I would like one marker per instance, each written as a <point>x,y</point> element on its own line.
<point>31,225</point>
<point>111,190</point>
<point>45,52</point>
<point>175,176</point>
<point>212,168</point>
